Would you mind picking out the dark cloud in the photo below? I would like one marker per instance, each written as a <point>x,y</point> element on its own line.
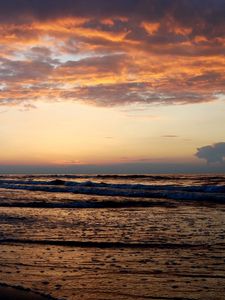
<point>57,8</point>
<point>212,153</point>
<point>102,64</point>
<point>42,52</point>
<point>203,15</point>
<point>135,92</point>
<point>21,70</point>
<point>206,77</point>
<point>180,22</point>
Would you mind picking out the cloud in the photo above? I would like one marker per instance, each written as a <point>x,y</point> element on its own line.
<point>185,11</point>
<point>95,66</point>
<point>112,52</point>
<point>212,153</point>
<point>170,136</point>
<point>135,92</point>
<point>11,70</point>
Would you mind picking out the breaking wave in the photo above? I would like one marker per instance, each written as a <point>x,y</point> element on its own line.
<point>205,192</point>
<point>106,244</point>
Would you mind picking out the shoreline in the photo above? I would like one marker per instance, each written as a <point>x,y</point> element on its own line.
<point>12,293</point>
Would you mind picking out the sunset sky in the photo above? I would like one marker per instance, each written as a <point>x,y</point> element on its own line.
<point>100,83</point>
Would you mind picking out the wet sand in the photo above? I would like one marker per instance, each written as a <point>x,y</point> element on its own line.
<point>9,293</point>
<point>74,273</point>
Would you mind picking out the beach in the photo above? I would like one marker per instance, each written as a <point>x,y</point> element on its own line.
<point>69,245</point>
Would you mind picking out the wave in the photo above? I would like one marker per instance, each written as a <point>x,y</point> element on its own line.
<point>89,204</point>
<point>101,244</point>
<point>123,186</point>
<point>202,192</point>
<point>57,181</point>
<point>150,177</point>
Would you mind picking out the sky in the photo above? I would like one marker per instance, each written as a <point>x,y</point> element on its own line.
<point>112,86</point>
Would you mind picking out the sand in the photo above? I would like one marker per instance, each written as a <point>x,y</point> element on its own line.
<point>9,293</point>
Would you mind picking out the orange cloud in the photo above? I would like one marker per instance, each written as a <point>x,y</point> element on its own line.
<point>151,28</point>
<point>111,60</point>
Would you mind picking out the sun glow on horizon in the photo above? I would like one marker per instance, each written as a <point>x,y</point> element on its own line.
<point>75,133</point>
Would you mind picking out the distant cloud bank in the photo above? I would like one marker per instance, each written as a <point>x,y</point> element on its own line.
<point>212,153</point>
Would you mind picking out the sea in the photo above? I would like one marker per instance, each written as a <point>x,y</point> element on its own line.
<point>114,237</point>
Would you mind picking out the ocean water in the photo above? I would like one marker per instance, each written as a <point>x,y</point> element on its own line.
<point>114,236</point>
